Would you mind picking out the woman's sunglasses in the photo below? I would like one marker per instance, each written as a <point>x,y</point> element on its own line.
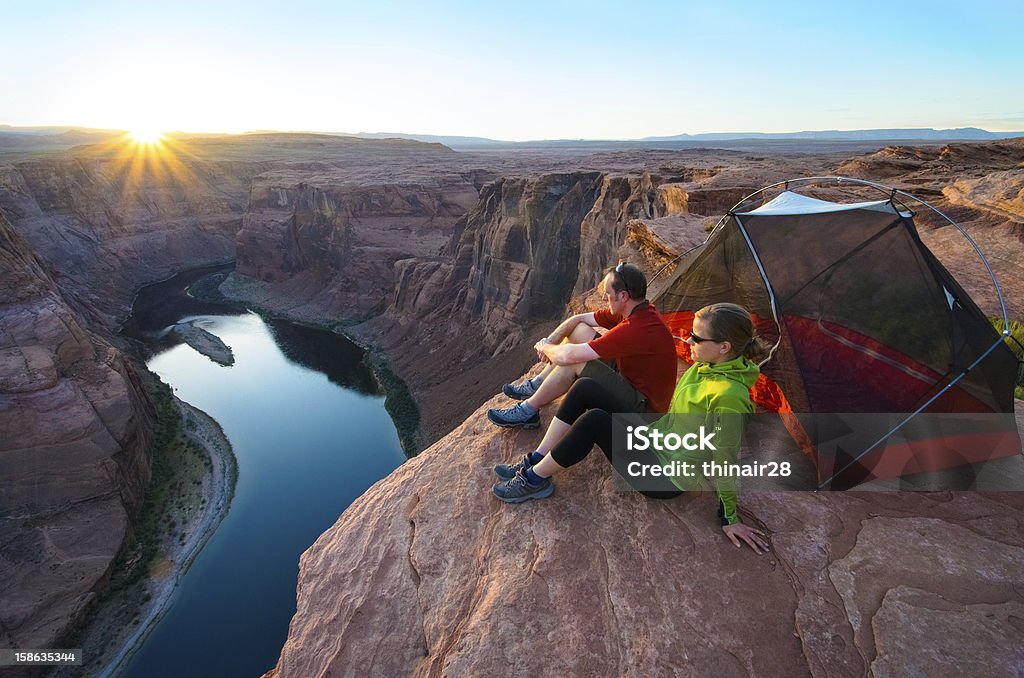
<point>697,339</point>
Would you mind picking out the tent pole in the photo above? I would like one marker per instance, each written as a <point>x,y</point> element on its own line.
<point>767,284</point>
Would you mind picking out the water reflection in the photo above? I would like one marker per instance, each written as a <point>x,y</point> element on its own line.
<point>315,349</point>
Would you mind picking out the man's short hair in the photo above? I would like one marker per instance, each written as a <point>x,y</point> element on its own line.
<point>631,279</point>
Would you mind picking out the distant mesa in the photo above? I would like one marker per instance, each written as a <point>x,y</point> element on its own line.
<point>914,134</point>
<point>894,134</point>
<point>26,139</point>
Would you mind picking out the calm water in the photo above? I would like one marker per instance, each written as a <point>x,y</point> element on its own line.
<point>310,434</point>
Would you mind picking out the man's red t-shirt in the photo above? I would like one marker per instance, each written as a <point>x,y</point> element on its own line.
<point>644,352</point>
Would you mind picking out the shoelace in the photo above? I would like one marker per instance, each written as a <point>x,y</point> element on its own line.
<point>515,467</point>
<point>516,481</point>
<point>514,411</point>
<point>525,388</point>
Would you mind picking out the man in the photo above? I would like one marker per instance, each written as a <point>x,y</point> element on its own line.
<point>638,340</point>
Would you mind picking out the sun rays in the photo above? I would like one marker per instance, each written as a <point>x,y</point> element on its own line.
<point>146,158</point>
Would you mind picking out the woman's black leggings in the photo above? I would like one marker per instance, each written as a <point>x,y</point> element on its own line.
<point>586,407</point>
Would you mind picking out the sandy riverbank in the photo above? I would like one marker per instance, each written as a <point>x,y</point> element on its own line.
<point>109,642</point>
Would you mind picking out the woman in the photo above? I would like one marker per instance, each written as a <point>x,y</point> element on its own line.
<point>715,390</point>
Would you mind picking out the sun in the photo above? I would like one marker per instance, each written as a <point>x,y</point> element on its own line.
<point>146,135</point>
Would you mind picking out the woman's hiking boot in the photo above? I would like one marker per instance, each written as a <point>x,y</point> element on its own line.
<point>519,489</point>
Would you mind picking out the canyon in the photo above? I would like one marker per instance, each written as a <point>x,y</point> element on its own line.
<point>448,265</point>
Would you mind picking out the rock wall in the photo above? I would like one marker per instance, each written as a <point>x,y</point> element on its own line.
<point>623,199</point>
<point>103,226</point>
<point>335,245</point>
<point>516,259</point>
<point>457,324</point>
<point>75,430</point>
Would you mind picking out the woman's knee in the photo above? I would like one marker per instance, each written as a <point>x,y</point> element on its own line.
<point>576,400</point>
<point>596,418</point>
<point>585,391</point>
<point>581,386</point>
<point>593,427</point>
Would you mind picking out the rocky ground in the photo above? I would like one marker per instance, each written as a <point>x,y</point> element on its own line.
<point>427,574</point>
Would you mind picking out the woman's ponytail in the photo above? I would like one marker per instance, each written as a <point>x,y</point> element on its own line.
<point>732,323</point>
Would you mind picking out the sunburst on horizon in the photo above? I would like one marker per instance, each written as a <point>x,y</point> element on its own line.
<point>145,155</point>
<point>146,135</point>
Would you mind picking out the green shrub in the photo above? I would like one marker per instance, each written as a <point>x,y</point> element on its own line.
<point>399,401</point>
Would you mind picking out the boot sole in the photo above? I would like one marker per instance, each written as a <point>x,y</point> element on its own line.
<point>536,495</point>
<point>503,424</point>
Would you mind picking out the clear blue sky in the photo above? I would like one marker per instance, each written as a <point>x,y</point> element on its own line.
<point>516,71</point>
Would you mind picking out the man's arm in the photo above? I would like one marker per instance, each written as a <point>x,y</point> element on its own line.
<point>566,354</point>
<point>551,349</point>
<point>568,325</point>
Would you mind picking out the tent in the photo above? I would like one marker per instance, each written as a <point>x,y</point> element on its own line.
<point>881,365</point>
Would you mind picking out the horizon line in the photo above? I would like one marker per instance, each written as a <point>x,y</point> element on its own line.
<point>681,136</point>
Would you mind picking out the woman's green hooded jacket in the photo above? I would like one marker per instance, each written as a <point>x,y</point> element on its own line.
<point>716,396</point>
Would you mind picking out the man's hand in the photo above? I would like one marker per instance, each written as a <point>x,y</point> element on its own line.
<point>748,535</point>
<point>539,348</point>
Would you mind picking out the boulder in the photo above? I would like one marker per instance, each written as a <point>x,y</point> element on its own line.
<point>999,192</point>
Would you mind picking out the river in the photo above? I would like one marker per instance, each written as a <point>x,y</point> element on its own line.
<point>310,433</point>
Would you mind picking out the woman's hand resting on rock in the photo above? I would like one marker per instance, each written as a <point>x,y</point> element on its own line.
<point>739,532</point>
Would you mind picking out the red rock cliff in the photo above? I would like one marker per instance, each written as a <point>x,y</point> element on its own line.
<point>75,431</point>
<point>456,282</point>
<point>428,575</point>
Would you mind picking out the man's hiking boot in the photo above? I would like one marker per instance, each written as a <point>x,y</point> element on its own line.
<point>518,489</point>
<point>509,471</point>
<point>519,391</point>
<point>514,417</point>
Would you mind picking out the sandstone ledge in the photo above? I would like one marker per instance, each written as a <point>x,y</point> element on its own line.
<point>427,574</point>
